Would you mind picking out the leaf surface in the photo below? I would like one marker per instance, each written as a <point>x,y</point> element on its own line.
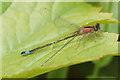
<point>30,25</point>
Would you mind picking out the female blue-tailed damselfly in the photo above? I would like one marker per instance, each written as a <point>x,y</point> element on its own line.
<point>80,31</point>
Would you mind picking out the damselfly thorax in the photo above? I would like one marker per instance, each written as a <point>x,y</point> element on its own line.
<point>89,29</point>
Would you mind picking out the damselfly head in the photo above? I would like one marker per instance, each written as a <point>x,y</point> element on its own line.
<point>97,27</point>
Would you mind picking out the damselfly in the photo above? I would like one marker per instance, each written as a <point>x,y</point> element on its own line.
<point>80,31</point>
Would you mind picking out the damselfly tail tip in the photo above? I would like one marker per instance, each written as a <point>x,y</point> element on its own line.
<point>26,52</point>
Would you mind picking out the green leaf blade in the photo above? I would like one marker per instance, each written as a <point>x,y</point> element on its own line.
<point>27,29</point>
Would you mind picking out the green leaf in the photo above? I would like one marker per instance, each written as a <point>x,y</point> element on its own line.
<point>30,25</point>
<point>4,6</point>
